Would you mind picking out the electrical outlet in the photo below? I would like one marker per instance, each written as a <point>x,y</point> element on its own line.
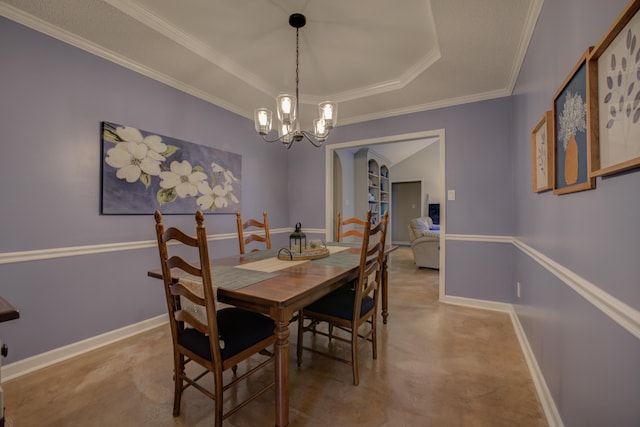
<point>518,289</point>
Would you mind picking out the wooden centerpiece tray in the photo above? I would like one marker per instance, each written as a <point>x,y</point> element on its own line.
<point>307,253</point>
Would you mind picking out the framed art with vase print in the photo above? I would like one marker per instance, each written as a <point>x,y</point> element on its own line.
<point>572,135</point>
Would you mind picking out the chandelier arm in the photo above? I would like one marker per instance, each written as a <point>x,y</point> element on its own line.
<point>294,137</point>
<point>280,138</point>
<point>313,142</point>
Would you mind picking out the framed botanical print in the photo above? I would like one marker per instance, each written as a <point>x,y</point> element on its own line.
<point>572,135</point>
<point>616,63</point>
<point>541,153</point>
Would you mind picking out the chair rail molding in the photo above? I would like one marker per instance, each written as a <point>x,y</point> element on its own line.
<point>623,314</point>
<point>40,254</point>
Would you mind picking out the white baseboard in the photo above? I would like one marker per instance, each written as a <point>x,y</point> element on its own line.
<point>39,361</point>
<point>478,303</point>
<point>546,399</point>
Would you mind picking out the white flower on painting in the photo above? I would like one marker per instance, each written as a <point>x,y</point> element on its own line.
<point>206,201</point>
<point>182,178</point>
<point>131,159</point>
<point>228,175</point>
<point>233,198</point>
<point>573,118</point>
<point>218,196</point>
<point>153,142</point>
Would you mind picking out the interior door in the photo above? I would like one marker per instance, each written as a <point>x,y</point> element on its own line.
<point>406,199</point>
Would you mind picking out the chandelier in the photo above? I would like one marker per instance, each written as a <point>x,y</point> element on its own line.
<point>288,108</point>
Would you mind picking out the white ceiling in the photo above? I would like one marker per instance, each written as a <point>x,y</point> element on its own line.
<point>376,58</point>
<point>395,152</point>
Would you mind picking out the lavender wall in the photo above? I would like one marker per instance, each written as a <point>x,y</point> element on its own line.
<point>589,362</point>
<point>557,225</point>
<point>480,270</point>
<point>478,168</point>
<point>477,139</point>
<point>54,97</point>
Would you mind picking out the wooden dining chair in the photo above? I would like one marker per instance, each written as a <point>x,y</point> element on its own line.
<point>350,307</point>
<point>356,229</point>
<point>237,334</point>
<point>243,241</point>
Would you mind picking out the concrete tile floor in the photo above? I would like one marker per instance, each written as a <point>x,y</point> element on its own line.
<point>438,365</point>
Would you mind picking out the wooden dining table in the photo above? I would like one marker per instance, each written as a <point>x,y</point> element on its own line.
<point>284,291</point>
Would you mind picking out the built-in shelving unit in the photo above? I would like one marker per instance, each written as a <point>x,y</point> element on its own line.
<point>372,185</point>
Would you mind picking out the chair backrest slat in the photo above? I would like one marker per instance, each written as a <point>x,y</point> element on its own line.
<point>245,240</point>
<point>358,231</point>
<point>180,263</point>
<point>180,290</point>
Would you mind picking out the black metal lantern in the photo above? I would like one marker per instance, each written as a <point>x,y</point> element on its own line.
<point>297,238</point>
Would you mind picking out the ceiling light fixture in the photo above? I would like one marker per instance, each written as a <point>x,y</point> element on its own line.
<point>288,108</point>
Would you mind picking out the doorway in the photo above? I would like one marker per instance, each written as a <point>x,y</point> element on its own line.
<point>406,201</point>
<point>393,139</point>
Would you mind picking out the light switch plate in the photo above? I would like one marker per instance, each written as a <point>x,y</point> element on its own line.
<point>451,195</point>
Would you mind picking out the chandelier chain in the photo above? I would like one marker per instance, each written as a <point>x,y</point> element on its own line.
<point>297,68</point>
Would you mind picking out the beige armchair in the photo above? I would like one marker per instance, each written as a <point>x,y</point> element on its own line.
<point>425,242</point>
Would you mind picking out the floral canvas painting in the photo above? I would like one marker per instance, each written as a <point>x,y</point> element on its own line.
<point>143,171</point>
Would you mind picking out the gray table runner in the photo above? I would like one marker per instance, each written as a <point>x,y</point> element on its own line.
<point>235,278</point>
<point>340,259</point>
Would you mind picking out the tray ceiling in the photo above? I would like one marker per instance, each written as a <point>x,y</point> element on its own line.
<point>376,58</point>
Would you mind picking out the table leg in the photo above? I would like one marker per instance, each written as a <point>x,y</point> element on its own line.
<point>385,291</point>
<point>282,373</point>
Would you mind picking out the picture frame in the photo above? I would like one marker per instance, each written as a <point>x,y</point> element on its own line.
<point>572,130</point>
<point>616,98</point>
<point>542,153</point>
<point>144,171</point>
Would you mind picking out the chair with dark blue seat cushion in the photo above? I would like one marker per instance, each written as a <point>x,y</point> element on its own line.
<point>350,308</point>
<point>340,304</point>
<point>194,318</point>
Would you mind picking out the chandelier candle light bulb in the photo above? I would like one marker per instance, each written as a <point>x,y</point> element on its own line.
<point>286,108</point>
<point>263,119</point>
